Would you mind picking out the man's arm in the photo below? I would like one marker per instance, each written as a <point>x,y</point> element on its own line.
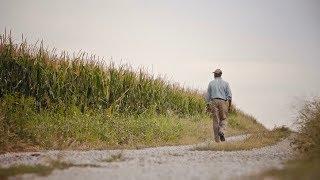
<point>208,97</point>
<point>229,97</point>
<point>229,107</point>
<point>208,94</point>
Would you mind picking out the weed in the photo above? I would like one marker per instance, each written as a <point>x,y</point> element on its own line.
<point>114,158</point>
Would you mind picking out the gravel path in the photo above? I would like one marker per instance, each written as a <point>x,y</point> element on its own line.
<point>170,162</point>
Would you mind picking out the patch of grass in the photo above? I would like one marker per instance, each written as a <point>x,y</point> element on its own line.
<point>24,169</point>
<point>257,140</point>
<point>41,170</point>
<point>306,164</point>
<point>24,129</point>
<point>114,158</point>
<point>242,123</point>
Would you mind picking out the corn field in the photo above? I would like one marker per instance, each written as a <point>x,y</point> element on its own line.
<point>89,83</point>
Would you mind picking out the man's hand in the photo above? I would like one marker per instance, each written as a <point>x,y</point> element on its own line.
<point>229,105</point>
<point>208,108</point>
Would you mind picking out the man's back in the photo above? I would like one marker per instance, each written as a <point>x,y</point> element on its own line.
<point>218,88</point>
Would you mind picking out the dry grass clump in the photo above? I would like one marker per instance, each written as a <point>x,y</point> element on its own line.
<point>306,165</point>
<point>308,140</point>
<point>257,140</point>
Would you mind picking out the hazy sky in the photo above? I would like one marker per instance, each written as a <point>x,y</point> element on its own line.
<point>269,51</point>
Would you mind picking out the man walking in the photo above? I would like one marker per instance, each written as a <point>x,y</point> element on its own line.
<point>219,103</point>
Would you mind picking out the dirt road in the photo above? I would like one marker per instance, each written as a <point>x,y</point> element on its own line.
<point>172,162</point>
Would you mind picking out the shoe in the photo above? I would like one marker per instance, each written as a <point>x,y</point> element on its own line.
<point>222,136</point>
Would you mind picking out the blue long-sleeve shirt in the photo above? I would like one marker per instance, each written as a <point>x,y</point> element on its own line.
<point>218,88</point>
